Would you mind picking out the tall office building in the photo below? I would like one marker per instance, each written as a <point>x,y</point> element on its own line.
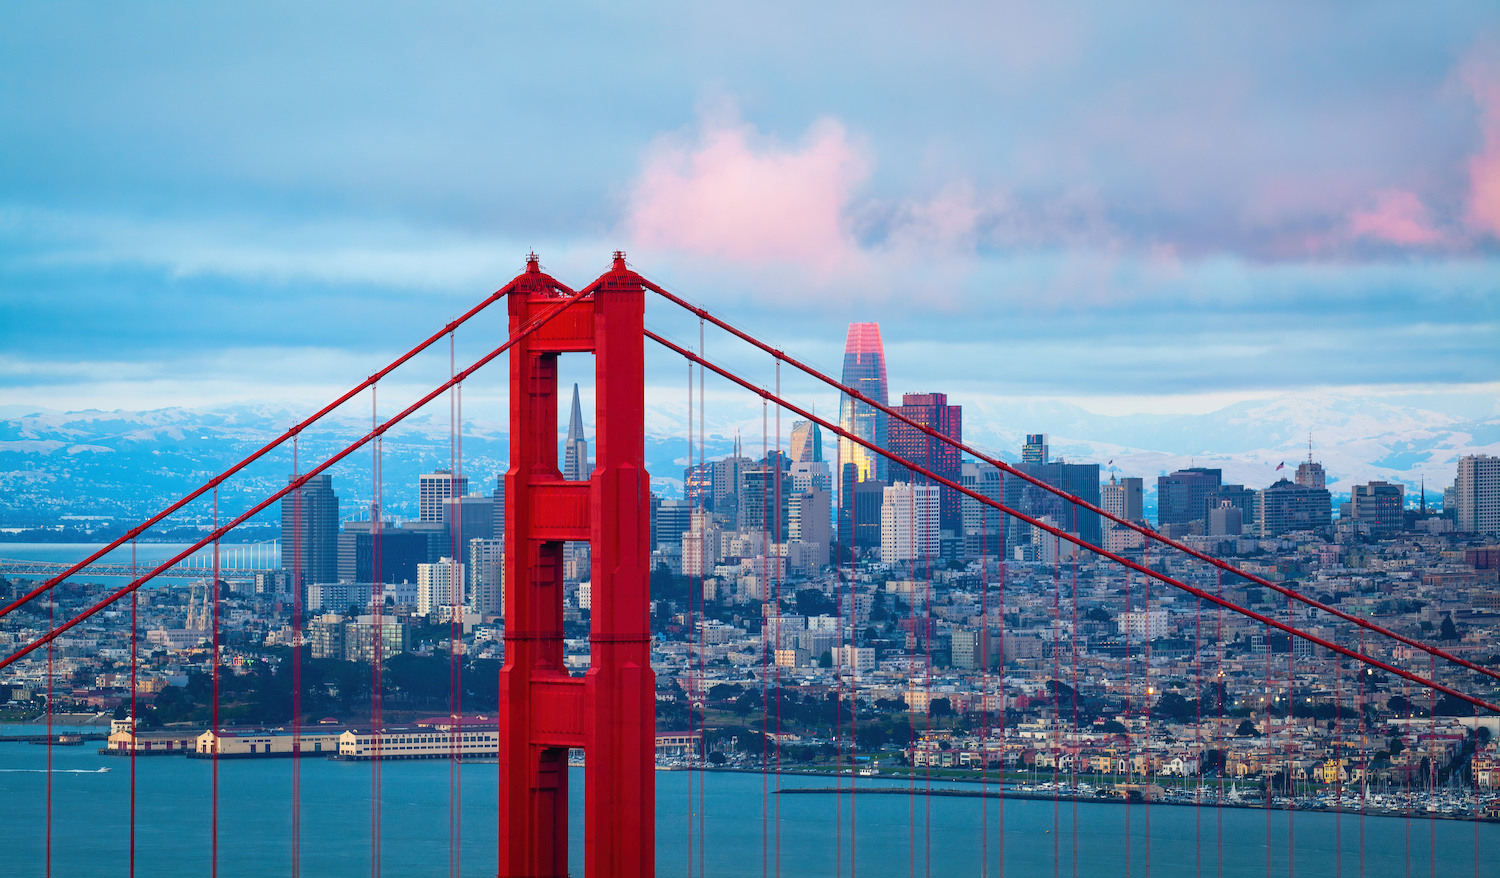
<point>435,487</point>
<point>808,514</point>
<point>930,410</point>
<point>1379,505</point>
<point>1123,497</point>
<point>909,522</point>
<point>983,524</point>
<point>864,370</point>
<point>1079,479</point>
<point>576,448</point>
<point>1035,449</point>
<point>487,573</point>
<point>1182,496</point>
<point>670,522</point>
<point>1476,494</point>
<point>698,485</point>
<point>310,529</point>
<point>848,475</point>
<point>1238,496</point>
<point>807,442</point>
<point>763,495</point>
<point>865,499</point>
<point>1287,506</point>
<point>397,552</point>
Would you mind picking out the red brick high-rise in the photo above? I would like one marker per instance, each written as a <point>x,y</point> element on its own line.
<point>930,410</point>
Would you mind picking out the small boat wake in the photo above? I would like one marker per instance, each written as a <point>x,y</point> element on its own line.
<point>55,771</point>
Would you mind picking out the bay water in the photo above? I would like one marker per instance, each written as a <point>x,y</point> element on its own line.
<point>893,835</point>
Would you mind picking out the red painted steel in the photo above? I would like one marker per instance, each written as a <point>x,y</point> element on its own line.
<point>610,713</point>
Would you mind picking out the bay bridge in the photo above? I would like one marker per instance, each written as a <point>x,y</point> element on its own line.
<point>229,560</point>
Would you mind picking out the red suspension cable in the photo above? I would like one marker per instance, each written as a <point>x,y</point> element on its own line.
<point>213,483</point>
<point>1113,556</point>
<point>1147,532</point>
<point>57,631</point>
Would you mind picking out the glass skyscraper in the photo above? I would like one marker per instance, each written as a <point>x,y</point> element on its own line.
<point>864,370</point>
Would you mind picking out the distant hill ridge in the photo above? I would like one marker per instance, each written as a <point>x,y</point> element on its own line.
<point>129,464</point>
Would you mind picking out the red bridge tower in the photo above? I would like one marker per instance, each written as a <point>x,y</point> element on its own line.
<point>610,712</point>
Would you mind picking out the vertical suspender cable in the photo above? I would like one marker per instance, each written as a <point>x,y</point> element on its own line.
<point>1073,643</point>
<point>1056,545</point>
<point>776,557</point>
<point>1147,759</point>
<point>702,462</point>
<point>921,532</point>
<point>838,713</point>
<point>1432,771</point>
<point>911,717</point>
<point>765,680</point>
<point>1197,678</point>
<point>376,719</point>
<point>296,667</point>
<point>1338,767</point>
<point>1267,702</point>
<point>134,690</point>
<point>692,621</point>
<point>1362,674</point>
<point>51,653</point>
<point>1130,735</point>
<point>458,592</point>
<point>215,658</point>
<point>1004,704</point>
<point>1291,700</point>
<point>983,636</point>
<point>1221,695</point>
<point>1406,799</point>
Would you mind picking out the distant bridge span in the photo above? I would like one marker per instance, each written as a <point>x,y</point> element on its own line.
<point>195,570</point>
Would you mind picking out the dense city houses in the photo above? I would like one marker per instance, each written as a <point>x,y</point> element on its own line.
<point>821,589</point>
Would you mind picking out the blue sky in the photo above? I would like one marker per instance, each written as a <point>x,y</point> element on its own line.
<point>1137,210</point>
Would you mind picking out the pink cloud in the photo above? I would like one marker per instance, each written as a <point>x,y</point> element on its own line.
<point>730,193</point>
<point>1483,78</point>
<point>1399,217</point>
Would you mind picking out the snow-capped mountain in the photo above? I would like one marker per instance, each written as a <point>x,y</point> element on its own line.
<point>129,464</point>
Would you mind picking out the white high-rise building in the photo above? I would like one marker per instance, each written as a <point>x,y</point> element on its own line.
<point>1143,624</point>
<point>1476,494</point>
<point>436,487</point>
<point>436,585</point>
<point>910,525</point>
<point>700,544</point>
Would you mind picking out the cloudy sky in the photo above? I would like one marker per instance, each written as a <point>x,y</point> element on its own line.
<point>1137,210</point>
